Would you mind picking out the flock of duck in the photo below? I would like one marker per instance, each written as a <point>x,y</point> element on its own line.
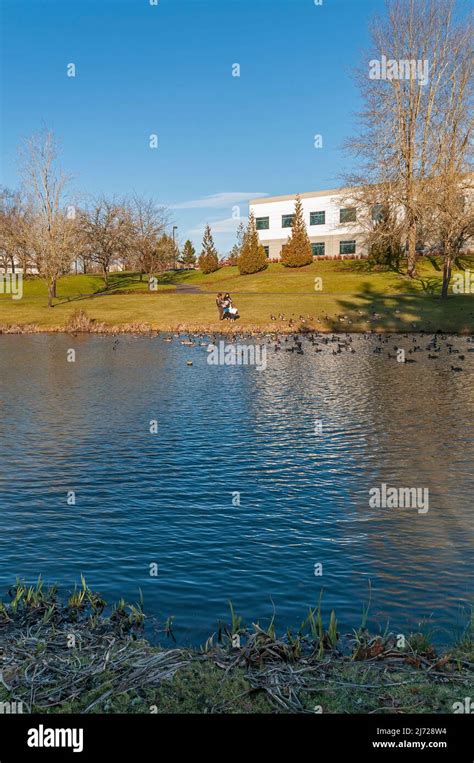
<point>386,344</point>
<point>374,316</point>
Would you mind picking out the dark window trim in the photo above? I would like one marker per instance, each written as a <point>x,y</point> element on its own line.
<point>348,241</point>
<point>318,212</point>
<point>377,212</point>
<point>262,227</point>
<point>292,215</point>
<point>347,209</point>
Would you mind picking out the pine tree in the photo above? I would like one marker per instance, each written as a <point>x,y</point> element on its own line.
<point>385,242</point>
<point>297,251</point>
<point>233,256</point>
<point>236,250</point>
<point>188,256</point>
<point>208,260</point>
<point>165,254</point>
<point>252,255</point>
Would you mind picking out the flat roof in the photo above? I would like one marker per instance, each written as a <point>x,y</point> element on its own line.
<point>292,197</point>
<point>330,192</point>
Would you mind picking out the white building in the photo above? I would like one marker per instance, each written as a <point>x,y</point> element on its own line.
<point>330,221</point>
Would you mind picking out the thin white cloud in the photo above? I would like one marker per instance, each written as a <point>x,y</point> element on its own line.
<point>218,200</point>
<point>228,225</point>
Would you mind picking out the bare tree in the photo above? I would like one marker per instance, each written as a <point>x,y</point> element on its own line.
<point>15,219</point>
<point>52,228</point>
<point>451,219</point>
<point>7,224</point>
<point>105,229</point>
<point>85,259</point>
<point>450,191</point>
<point>149,223</point>
<point>415,94</point>
<point>378,222</point>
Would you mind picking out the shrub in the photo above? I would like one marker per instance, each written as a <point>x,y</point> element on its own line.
<point>385,255</point>
<point>252,257</point>
<point>188,256</point>
<point>79,321</point>
<point>208,261</point>
<point>297,251</point>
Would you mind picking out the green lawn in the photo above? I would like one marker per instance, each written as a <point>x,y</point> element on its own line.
<point>351,298</point>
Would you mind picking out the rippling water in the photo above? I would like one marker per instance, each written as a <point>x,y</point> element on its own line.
<point>167,498</point>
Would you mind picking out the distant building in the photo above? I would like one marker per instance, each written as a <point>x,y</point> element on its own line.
<point>330,221</point>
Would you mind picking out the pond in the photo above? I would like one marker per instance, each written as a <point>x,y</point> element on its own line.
<point>241,484</point>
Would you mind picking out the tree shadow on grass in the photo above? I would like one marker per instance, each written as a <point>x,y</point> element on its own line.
<point>124,281</point>
<point>128,283</point>
<point>174,277</point>
<point>429,284</point>
<point>372,311</point>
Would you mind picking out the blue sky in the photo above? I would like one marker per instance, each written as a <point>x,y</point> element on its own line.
<point>167,70</point>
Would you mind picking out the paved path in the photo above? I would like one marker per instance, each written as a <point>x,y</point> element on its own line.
<point>187,289</point>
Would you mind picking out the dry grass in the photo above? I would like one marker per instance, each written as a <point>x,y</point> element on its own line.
<point>72,657</point>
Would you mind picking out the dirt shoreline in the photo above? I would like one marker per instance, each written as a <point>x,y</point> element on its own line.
<point>208,330</point>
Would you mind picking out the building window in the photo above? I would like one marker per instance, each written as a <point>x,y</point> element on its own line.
<point>262,223</point>
<point>348,215</point>
<point>267,251</point>
<point>378,213</point>
<point>287,221</point>
<point>347,247</point>
<point>318,249</point>
<point>317,218</point>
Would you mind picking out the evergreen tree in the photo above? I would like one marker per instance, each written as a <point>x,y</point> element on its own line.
<point>236,250</point>
<point>297,251</point>
<point>233,256</point>
<point>188,256</point>
<point>208,260</point>
<point>165,254</point>
<point>385,242</point>
<point>252,255</point>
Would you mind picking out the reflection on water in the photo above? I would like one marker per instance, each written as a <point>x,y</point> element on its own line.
<point>167,498</point>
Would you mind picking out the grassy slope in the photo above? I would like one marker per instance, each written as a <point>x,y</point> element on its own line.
<point>348,290</point>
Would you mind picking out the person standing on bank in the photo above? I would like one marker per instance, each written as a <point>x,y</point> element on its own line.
<point>230,311</point>
<point>220,306</point>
